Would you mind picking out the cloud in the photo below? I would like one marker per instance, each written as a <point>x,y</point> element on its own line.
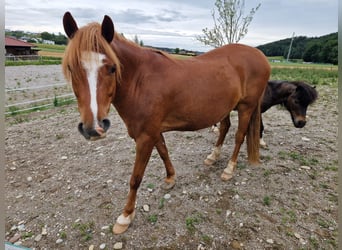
<point>175,21</point>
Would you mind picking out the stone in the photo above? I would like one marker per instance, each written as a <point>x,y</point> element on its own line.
<point>38,238</point>
<point>235,244</point>
<point>15,238</point>
<point>118,245</point>
<point>305,139</point>
<point>167,196</point>
<point>44,230</point>
<point>103,246</point>
<point>146,208</point>
<point>305,167</point>
<point>269,241</point>
<point>59,241</point>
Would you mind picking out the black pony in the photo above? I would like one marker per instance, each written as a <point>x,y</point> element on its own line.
<point>295,96</point>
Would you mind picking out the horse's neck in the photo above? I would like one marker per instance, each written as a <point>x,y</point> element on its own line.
<point>128,54</point>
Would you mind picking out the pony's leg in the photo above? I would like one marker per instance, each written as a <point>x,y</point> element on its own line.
<point>244,115</point>
<point>215,154</point>
<point>262,142</point>
<point>170,171</point>
<point>144,146</point>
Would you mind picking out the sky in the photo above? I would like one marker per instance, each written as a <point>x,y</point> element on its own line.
<point>176,23</point>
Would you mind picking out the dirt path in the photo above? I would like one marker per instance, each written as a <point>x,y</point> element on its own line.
<point>63,192</point>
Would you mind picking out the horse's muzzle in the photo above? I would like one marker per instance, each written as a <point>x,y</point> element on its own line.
<point>94,133</point>
<point>299,123</point>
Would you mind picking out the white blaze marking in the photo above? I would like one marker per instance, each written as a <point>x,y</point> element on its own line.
<point>92,62</point>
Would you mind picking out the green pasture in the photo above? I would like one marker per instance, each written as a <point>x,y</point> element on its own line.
<point>50,47</point>
<point>316,74</point>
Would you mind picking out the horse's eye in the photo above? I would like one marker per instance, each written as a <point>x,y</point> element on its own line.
<point>112,69</point>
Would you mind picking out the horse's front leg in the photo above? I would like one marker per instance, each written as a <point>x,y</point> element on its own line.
<point>144,146</point>
<point>170,171</point>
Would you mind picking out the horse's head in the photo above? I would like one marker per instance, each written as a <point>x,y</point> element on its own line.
<point>93,69</point>
<point>298,101</point>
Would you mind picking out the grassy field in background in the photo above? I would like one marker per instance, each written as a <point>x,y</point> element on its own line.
<point>317,74</point>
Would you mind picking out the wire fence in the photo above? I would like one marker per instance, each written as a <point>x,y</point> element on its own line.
<point>27,104</point>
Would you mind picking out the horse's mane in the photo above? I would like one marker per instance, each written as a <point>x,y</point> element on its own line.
<point>308,93</point>
<point>87,38</point>
<point>121,38</point>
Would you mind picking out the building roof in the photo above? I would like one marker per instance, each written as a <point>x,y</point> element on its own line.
<point>9,41</point>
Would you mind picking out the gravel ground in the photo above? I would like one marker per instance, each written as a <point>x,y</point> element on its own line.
<point>63,192</point>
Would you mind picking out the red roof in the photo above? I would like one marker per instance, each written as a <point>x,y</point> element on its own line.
<point>9,41</point>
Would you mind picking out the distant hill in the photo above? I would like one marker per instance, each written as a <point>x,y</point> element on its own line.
<point>322,49</point>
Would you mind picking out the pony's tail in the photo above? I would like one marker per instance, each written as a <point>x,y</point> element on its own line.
<point>253,135</point>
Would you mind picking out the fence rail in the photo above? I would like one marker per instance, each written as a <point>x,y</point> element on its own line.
<point>23,57</point>
<point>35,104</point>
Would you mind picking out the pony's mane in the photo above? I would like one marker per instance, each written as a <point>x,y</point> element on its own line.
<point>309,93</point>
<point>87,38</point>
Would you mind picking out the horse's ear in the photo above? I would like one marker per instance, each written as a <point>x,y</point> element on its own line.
<point>107,29</point>
<point>69,23</point>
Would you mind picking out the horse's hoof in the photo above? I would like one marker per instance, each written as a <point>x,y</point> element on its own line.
<point>209,162</point>
<point>226,177</point>
<point>263,143</point>
<point>168,185</point>
<point>122,223</point>
<point>119,229</point>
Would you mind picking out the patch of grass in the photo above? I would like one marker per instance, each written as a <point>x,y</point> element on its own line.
<point>161,203</point>
<point>62,234</point>
<point>314,74</point>
<point>314,242</point>
<point>298,157</point>
<point>193,220</point>
<point>241,166</point>
<point>288,216</point>
<point>324,223</point>
<point>151,186</point>
<point>27,235</point>
<point>267,201</point>
<point>207,239</point>
<point>267,172</point>
<point>331,168</point>
<point>153,218</point>
<point>85,229</point>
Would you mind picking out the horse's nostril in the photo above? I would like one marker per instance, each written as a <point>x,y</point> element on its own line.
<point>82,131</point>
<point>301,124</point>
<point>105,124</point>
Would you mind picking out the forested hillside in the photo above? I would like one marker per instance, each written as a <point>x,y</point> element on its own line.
<point>311,49</point>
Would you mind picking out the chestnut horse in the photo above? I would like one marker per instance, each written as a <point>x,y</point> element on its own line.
<point>154,93</point>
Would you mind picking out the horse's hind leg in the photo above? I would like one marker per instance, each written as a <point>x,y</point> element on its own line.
<point>215,154</point>
<point>170,171</point>
<point>245,114</point>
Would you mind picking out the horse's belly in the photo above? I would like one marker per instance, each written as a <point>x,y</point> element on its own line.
<point>195,119</point>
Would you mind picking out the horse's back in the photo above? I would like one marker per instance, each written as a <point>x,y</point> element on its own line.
<point>250,63</point>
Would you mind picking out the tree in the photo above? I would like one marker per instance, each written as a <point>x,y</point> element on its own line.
<point>230,26</point>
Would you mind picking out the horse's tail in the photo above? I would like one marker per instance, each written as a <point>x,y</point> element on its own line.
<point>253,135</point>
